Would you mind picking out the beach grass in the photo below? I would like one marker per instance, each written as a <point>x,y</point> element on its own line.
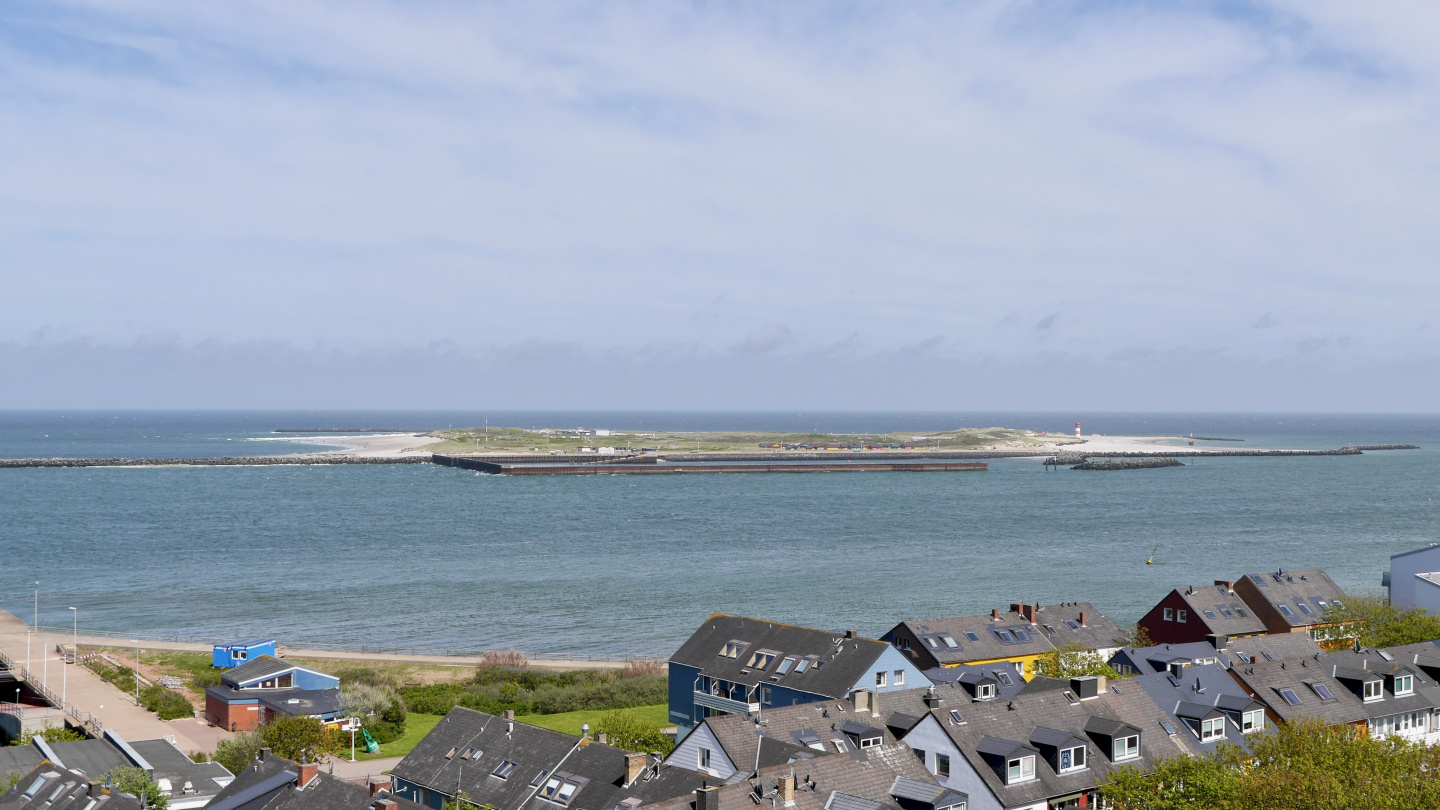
<point>570,722</point>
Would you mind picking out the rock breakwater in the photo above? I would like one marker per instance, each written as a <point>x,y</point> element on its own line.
<point>222,461</point>
<point>1128,463</point>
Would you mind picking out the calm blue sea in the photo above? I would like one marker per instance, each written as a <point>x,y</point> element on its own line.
<point>433,556</point>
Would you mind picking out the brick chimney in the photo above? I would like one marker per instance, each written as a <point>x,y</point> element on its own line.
<point>508,714</point>
<point>378,785</point>
<point>1229,586</point>
<point>862,699</point>
<point>995,614</point>
<point>787,790</point>
<point>849,634</point>
<point>601,737</point>
<point>386,804</point>
<point>1082,618</point>
<point>634,766</point>
<point>308,772</point>
<point>94,789</point>
<point>706,798</point>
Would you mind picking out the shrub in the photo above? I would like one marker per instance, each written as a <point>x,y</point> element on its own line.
<point>503,659</point>
<point>1375,622</point>
<point>627,731</point>
<point>167,703</point>
<point>645,668</point>
<point>137,782</point>
<point>300,738</point>
<point>51,734</point>
<point>239,751</point>
<point>495,689</point>
<point>1073,660</point>
<point>380,707</point>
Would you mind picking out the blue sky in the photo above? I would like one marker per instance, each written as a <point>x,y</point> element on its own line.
<point>1180,205</point>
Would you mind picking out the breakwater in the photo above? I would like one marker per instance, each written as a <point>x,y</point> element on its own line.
<point>1386,446</point>
<point>223,461</point>
<point>1128,463</point>
<point>622,468</point>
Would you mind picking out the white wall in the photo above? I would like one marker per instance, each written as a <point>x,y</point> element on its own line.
<point>889,662</point>
<point>930,737</point>
<point>1406,590</point>
<point>687,754</point>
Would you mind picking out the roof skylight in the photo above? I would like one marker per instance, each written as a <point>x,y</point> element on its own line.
<point>1290,697</point>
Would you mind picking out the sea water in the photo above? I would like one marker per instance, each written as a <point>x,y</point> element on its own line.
<point>419,555</point>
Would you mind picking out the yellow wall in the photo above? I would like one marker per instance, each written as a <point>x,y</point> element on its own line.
<point>1027,660</point>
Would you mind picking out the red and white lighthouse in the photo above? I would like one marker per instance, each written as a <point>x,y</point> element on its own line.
<point>1077,428</point>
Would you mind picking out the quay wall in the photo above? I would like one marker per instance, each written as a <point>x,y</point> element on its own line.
<point>223,461</point>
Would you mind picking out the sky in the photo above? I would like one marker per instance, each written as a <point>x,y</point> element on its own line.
<point>720,205</point>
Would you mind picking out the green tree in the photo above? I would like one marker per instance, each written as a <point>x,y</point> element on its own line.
<point>50,734</point>
<point>137,782</point>
<point>1138,636</point>
<point>167,703</point>
<point>462,801</point>
<point>239,751</point>
<point>626,730</point>
<point>1299,766</point>
<point>10,782</point>
<point>1073,660</point>
<point>298,738</point>
<point>1375,622</point>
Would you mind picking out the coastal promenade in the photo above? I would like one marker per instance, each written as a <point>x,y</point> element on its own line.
<point>88,700</point>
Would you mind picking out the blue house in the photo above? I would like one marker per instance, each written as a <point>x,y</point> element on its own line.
<point>263,688</point>
<point>237,653</point>
<point>735,665</point>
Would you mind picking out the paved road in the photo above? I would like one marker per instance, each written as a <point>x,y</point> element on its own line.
<point>83,689</point>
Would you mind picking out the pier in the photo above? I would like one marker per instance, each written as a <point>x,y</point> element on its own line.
<point>651,466</point>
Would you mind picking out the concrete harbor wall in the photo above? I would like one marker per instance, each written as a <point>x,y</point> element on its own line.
<point>223,461</point>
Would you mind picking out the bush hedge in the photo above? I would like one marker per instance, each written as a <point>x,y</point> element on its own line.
<point>495,689</point>
<point>167,703</point>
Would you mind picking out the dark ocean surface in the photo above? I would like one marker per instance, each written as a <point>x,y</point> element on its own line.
<point>429,556</point>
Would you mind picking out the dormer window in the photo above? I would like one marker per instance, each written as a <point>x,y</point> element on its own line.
<point>1127,747</point>
<point>1212,729</point>
<point>1072,759</point>
<point>985,691</point>
<point>1020,769</point>
<point>1374,690</point>
<point>1252,721</point>
<point>1404,684</point>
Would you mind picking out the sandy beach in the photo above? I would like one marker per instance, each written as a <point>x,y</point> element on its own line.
<point>374,445</point>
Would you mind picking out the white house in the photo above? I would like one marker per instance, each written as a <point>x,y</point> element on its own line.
<point>1414,578</point>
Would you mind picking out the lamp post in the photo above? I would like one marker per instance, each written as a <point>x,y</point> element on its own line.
<point>65,676</point>
<point>137,672</point>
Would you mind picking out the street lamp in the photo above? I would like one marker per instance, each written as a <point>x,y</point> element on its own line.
<point>65,678</point>
<point>137,672</point>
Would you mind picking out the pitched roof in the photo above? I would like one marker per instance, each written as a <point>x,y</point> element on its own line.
<point>272,784</point>
<point>55,788</point>
<point>994,730</point>
<point>169,762</point>
<point>1149,660</point>
<point>467,750</point>
<point>839,663</point>
<point>1278,645</point>
<point>92,757</point>
<point>263,667</point>
<point>1221,610</point>
<point>827,722</point>
<point>1341,677</point>
<point>1301,592</point>
<point>866,775</point>
<point>978,638</point>
<point>1206,686</point>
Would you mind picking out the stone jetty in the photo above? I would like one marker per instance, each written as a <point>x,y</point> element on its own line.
<point>1128,463</point>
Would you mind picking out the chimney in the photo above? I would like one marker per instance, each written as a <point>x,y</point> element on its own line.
<point>264,754</point>
<point>634,766</point>
<point>308,772</point>
<point>862,699</point>
<point>706,798</point>
<point>1227,584</point>
<point>1017,607</point>
<point>1082,619</point>
<point>850,634</point>
<point>1086,687</point>
<point>995,614</point>
<point>378,785</point>
<point>932,700</point>
<point>94,789</point>
<point>601,737</point>
<point>787,790</point>
<point>508,714</point>
<point>385,804</point>
<point>1218,640</point>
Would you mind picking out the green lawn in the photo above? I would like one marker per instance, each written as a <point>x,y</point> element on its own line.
<point>569,722</point>
<point>416,727</point>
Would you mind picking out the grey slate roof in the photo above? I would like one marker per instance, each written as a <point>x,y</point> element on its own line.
<point>1050,629</point>
<point>171,763</point>
<point>830,721</point>
<point>1294,588</point>
<point>867,775</point>
<point>991,728</point>
<point>1218,691</point>
<point>93,757</point>
<point>271,784</point>
<point>1221,610</point>
<point>971,675</point>
<point>302,702</point>
<point>62,789</point>
<point>482,742</point>
<point>1278,645</point>
<point>842,661</point>
<point>1341,674</point>
<point>18,759</point>
<point>261,667</point>
<point>1149,660</point>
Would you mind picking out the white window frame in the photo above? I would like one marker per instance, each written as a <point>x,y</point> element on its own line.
<point>1122,749</point>
<point>1212,729</point>
<point>1180,616</point>
<point>1021,769</point>
<point>880,679</point>
<point>899,679</point>
<point>1169,614</point>
<point>1377,688</point>
<point>703,757</point>
<point>1252,721</point>
<point>943,773</point>
<point>1409,687</point>
<point>1078,760</point>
